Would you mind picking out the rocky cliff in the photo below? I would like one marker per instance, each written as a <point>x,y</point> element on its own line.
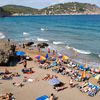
<point>7,51</point>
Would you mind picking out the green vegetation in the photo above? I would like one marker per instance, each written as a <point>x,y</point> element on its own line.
<point>4,13</point>
<point>71,7</point>
<point>66,8</point>
<point>19,9</point>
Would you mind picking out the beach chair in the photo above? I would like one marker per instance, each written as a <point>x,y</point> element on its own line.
<point>82,86</point>
<point>52,65</point>
<point>93,91</point>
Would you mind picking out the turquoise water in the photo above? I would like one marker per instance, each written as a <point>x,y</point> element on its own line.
<point>79,33</point>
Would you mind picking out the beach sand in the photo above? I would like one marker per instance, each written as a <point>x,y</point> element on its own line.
<point>30,91</point>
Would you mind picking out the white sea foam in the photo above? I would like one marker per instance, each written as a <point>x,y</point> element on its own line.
<point>82,51</point>
<point>25,33</point>
<point>98,55</point>
<point>57,42</point>
<point>2,36</point>
<point>79,51</point>
<point>68,47</point>
<point>43,29</point>
<point>27,39</point>
<point>41,39</point>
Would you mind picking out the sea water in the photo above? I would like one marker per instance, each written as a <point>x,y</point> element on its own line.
<point>78,36</point>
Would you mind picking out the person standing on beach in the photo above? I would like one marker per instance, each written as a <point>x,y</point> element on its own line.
<point>52,97</point>
<point>39,49</point>
<point>53,52</point>
<point>23,45</point>
<point>48,50</point>
<point>25,64</point>
<point>8,40</point>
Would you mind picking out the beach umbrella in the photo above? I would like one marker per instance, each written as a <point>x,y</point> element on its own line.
<point>44,97</point>
<point>65,57</point>
<point>84,74</point>
<point>42,58</point>
<point>81,67</point>
<point>46,56</point>
<point>54,81</point>
<point>97,77</point>
<point>60,56</point>
<point>20,53</point>
<point>37,57</point>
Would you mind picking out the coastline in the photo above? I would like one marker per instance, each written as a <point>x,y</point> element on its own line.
<point>52,15</point>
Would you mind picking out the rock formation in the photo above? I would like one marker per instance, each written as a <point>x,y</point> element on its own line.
<point>42,45</point>
<point>7,52</point>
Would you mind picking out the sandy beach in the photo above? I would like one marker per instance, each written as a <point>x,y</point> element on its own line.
<point>39,87</point>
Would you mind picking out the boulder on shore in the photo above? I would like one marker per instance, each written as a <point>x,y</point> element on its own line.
<point>29,43</point>
<point>42,45</point>
<point>7,51</point>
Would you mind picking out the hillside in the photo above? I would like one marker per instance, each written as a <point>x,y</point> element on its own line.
<point>58,9</point>
<point>16,9</point>
<point>71,8</point>
<point>4,13</point>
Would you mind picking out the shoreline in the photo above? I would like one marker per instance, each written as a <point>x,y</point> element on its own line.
<point>51,15</point>
<point>74,57</point>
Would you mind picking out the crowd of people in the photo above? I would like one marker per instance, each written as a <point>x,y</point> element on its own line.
<point>68,68</point>
<point>76,72</point>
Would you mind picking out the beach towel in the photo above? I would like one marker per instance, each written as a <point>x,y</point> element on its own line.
<point>54,81</point>
<point>29,72</point>
<point>45,97</point>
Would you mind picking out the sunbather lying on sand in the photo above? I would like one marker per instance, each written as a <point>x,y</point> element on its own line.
<point>48,76</point>
<point>85,89</point>
<point>7,96</point>
<point>71,83</point>
<point>26,79</point>
<point>61,88</point>
<point>6,77</point>
<point>18,84</point>
<point>27,71</point>
<point>7,71</point>
<point>15,75</point>
<point>82,85</point>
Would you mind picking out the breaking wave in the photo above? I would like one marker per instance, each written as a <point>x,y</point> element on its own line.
<point>25,33</point>
<point>41,39</point>
<point>56,43</point>
<point>2,36</point>
<point>79,51</point>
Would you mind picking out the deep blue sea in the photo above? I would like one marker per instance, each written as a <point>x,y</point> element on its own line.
<point>77,36</point>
